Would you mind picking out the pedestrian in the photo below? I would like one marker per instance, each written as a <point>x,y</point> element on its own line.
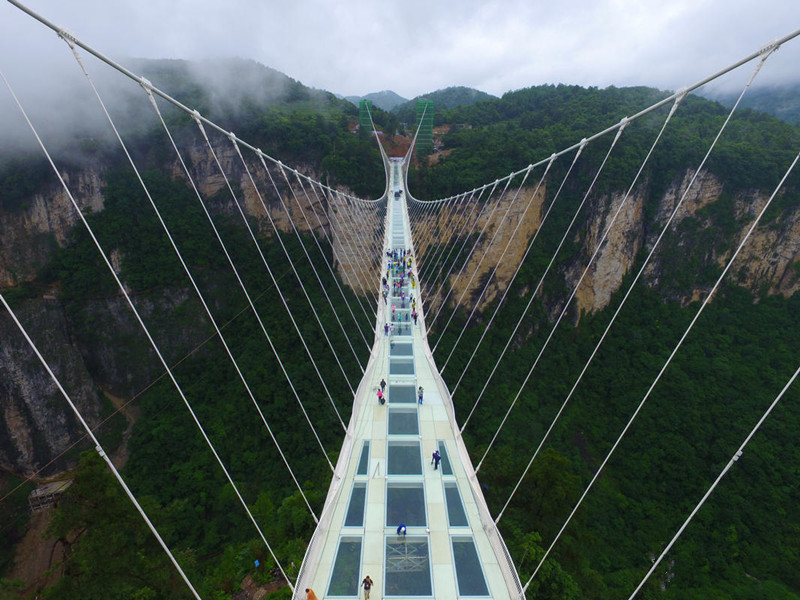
<point>391,329</point>
<point>401,529</point>
<point>435,460</point>
<point>414,314</point>
<point>385,329</point>
<point>380,397</point>
<point>419,394</point>
<point>310,595</point>
<point>367,585</point>
<point>383,384</point>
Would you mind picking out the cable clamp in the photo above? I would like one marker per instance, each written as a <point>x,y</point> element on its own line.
<point>196,116</point>
<point>769,47</point>
<point>232,137</point>
<point>145,83</point>
<point>737,456</point>
<point>100,451</point>
<point>67,36</point>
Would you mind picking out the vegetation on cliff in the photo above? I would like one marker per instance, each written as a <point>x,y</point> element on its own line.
<point>527,126</point>
<point>743,545</point>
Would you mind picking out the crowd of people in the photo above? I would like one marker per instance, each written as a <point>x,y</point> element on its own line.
<point>399,273</point>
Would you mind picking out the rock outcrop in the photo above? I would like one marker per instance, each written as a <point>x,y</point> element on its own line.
<point>37,423</point>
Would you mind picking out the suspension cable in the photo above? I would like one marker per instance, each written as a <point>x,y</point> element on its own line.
<point>267,267</point>
<point>345,271</point>
<point>705,303</point>
<point>535,291</point>
<point>473,208</point>
<point>310,262</point>
<point>508,287</point>
<point>434,291</point>
<point>150,338</point>
<point>286,253</point>
<point>494,269</point>
<point>588,266</point>
<point>736,456</point>
<point>191,278</point>
<point>470,253</point>
<point>99,447</point>
<point>453,213</point>
<point>241,285</point>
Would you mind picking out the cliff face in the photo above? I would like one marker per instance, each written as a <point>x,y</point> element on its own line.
<point>29,236</point>
<point>505,228</point>
<point>703,235</point>
<point>96,343</point>
<point>37,423</point>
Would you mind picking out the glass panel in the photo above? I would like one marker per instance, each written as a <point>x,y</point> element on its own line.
<point>468,568</point>
<point>401,349</point>
<point>402,328</point>
<point>400,366</point>
<point>344,579</point>
<point>355,510</point>
<point>403,421</point>
<point>408,567</point>
<point>404,459</point>
<point>456,515</point>
<point>447,468</point>
<point>363,461</point>
<point>405,503</point>
<point>402,394</point>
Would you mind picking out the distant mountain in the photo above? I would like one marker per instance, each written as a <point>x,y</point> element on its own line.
<point>453,97</point>
<point>385,100</point>
<point>782,102</point>
<point>229,86</point>
<point>448,98</point>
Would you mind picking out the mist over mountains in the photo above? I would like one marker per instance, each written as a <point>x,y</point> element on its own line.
<point>747,345</point>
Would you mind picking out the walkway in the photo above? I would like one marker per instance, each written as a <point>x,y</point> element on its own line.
<point>385,476</point>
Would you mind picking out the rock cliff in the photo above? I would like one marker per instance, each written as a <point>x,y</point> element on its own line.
<point>703,235</point>
<point>37,423</point>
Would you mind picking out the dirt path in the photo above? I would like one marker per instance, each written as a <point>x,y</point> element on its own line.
<point>121,455</point>
<point>35,555</point>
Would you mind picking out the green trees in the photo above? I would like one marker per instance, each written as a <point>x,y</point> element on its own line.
<point>729,369</point>
<point>107,547</point>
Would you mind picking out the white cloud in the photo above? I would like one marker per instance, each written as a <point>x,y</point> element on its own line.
<point>358,46</point>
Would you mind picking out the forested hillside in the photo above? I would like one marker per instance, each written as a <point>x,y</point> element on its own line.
<point>744,545</point>
<point>734,363</point>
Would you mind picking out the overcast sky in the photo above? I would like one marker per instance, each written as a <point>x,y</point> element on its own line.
<point>353,47</point>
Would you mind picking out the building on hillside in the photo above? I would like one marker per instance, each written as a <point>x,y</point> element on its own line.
<point>47,495</point>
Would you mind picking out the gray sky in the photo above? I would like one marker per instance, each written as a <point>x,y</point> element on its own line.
<point>354,47</point>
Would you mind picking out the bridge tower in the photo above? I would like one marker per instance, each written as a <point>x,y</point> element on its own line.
<point>364,118</point>
<point>424,122</point>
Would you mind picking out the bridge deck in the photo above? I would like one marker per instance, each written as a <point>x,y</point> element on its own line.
<point>385,476</point>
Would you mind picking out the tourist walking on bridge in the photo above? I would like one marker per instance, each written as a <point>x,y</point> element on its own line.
<point>367,585</point>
